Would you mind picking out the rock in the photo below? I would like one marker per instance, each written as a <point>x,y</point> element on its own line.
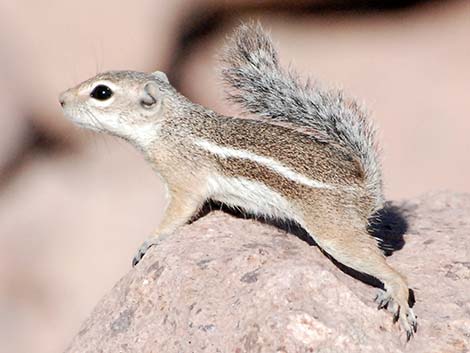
<point>14,123</point>
<point>15,130</point>
<point>224,284</point>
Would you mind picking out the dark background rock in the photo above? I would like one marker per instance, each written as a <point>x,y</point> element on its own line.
<point>224,284</point>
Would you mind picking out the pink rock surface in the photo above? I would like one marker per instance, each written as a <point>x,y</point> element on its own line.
<point>231,285</point>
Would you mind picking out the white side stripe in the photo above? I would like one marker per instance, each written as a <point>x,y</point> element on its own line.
<point>227,152</point>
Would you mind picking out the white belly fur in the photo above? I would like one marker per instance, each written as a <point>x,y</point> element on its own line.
<point>252,196</point>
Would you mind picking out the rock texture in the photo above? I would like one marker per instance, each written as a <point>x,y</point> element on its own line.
<point>225,284</point>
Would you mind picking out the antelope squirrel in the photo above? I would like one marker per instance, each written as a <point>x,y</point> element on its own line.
<point>310,156</point>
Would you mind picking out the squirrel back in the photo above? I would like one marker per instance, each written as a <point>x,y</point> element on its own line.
<point>256,81</point>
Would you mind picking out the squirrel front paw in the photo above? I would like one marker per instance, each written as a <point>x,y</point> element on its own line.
<point>401,312</point>
<point>143,249</point>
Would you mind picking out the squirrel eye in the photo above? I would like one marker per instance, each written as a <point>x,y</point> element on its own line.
<point>101,92</point>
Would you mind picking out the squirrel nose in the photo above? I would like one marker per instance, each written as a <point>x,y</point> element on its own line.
<point>62,99</point>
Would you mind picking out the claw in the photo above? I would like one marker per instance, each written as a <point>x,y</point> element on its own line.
<point>382,304</point>
<point>409,334</point>
<point>382,300</point>
<point>401,313</point>
<point>142,251</point>
<point>396,316</point>
<point>136,259</point>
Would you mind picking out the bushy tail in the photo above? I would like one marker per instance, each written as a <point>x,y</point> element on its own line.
<point>256,81</point>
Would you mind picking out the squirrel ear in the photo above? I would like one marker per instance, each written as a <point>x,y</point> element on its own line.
<point>161,75</point>
<point>151,95</point>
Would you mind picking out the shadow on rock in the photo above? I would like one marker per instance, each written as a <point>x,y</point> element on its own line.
<point>388,225</point>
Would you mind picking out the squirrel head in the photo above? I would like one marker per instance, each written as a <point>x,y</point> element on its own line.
<point>127,104</point>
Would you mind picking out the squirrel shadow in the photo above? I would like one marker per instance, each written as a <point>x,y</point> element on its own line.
<point>387,225</point>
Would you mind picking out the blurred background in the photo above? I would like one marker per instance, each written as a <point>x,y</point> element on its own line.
<point>74,205</point>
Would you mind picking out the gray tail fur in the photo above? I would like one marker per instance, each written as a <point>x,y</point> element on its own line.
<point>255,80</point>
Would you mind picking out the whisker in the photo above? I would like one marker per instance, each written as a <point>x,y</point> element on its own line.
<point>102,130</point>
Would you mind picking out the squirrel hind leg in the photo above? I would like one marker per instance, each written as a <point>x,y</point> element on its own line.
<point>357,250</point>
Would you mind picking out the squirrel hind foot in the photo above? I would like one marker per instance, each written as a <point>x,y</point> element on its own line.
<point>401,312</point>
